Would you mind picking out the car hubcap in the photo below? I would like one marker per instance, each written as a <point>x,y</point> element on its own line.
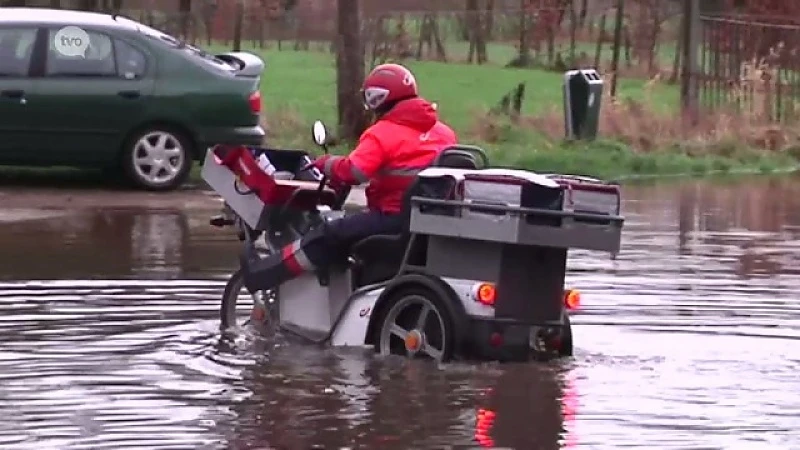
<point>414,327</point>
<point>158,157</point>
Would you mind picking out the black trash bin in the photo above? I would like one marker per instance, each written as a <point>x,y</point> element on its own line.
<point>583,92</point>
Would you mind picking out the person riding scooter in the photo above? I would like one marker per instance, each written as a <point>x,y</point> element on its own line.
<point>405,139</point>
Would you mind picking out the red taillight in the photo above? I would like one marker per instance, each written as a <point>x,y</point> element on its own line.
<point>484,293</point>
<point>572,299</point>
<point>255,102</point>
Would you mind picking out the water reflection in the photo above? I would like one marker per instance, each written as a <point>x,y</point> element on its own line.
<point>345,399</point>
<point>687,340</point>
<point>126,243</point>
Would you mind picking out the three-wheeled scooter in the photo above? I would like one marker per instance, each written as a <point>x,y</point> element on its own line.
<point>478,272</point>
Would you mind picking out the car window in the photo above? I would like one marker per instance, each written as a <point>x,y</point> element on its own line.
<point>16,47</point>
<point>130,61</point>
<point>166,40</point>
<point>80,54</point>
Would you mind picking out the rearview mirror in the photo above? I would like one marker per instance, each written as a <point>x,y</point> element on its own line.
<point>320,133</point>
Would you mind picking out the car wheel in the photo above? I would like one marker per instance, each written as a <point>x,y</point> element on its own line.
<point>416,325</point>
<point>157,159</point>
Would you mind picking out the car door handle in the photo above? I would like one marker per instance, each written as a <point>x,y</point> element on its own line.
<point>129,94</point>
<point>16,93</point>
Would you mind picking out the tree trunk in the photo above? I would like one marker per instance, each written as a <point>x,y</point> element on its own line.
<point>86,5</point>
<point>55,4</point>
<point>425,37</point>
<point>14,3</point>
<point>489,19</point>
<point>652,42</point>
<point>429,36</point>
<point>524,35</point>
<point>573,29</point>
<point>617,44</point>
<point>441,53</point>
<point>237,26</point>
<point>628,44</point>
<point>601,38</point>
<point>676,62</point>
<point>584,11</point>
<point>349,70</point>
<point>207,10</point>
<point>184,11</point>
<point>477,33</point>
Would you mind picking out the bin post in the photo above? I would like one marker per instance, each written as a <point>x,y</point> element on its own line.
<point>583,92</point>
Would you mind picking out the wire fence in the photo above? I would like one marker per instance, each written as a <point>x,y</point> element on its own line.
<point>750,66</point>
<point>745,63</point>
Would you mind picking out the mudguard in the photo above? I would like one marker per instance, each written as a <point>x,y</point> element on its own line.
<point>352,327</point>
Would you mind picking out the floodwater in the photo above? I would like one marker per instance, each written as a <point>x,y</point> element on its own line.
<point>690,339</point>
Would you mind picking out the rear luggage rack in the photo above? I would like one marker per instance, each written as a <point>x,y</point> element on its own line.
<point>516,224</point>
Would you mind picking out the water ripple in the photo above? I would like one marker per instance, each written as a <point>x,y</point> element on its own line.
<point>687,340</point>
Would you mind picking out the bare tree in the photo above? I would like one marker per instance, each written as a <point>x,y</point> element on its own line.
<point>87,5</point>
<point>349,69</point>
<point>584,11</point>
<point>477,33</point>
<point>207,10</point>
<point>184,13</point>
<point>429,35</point>
<point>238,24</point>
<point>618,24</point>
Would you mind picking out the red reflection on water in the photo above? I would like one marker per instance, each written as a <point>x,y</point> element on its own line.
<point>569,409</point>
<point>483,427</point>
<point>485,418</point>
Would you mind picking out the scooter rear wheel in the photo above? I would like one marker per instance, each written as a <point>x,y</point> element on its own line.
<point>415,324</point>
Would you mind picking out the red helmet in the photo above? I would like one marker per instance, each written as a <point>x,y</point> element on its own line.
<point>388,83</point>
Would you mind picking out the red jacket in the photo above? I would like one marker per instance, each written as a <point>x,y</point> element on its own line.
<point>392,152</point>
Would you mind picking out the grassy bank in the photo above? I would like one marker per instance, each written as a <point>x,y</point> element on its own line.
<point>642,134</point>
<point>641,131</point>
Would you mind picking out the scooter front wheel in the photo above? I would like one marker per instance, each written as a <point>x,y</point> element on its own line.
<point>234,312</point>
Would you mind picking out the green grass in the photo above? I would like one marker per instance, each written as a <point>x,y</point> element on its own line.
<point>300,86</point>
<point>304,84</point>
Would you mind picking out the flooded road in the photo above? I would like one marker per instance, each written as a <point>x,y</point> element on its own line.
<point>690,339</point>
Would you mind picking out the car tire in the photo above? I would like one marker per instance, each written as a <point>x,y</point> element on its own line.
<point>157,159</point>
<point>406,306</point>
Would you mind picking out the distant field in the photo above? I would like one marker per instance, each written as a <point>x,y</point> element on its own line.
<point>299,87</point>
<point>305,83</point>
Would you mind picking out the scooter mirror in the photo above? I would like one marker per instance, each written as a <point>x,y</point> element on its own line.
<point>320,133</point>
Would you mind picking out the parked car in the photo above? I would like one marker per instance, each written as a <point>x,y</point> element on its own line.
<point>86,89</point>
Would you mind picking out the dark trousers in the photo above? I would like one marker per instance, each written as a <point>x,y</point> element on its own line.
<point>325,245</point>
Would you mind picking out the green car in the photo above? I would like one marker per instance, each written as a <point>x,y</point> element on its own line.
<point>94,90</point>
